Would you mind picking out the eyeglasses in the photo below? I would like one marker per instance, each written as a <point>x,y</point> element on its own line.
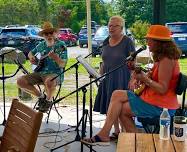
<point>48,33</point>
<point>114,26</point>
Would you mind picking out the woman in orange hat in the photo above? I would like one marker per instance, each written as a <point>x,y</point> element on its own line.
<point>159,92</point>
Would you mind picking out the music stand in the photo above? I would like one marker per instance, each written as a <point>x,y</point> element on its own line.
<point>93,74</point>
<point>85,112</point>
<point>10,54</point>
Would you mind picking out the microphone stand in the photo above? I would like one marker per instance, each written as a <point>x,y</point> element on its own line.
<point>3,78</point>
<point>75,65</point>
<point>84,90</point>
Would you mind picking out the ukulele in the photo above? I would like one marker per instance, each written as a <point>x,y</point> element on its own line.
<point>141,86</point>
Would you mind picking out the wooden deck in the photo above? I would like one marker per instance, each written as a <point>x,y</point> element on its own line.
<point>142,142</point>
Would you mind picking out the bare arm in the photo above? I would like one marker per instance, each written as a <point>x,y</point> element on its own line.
<point>164,76</point>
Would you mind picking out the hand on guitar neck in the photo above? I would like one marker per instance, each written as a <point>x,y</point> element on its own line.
<point>38,61</point>
<point>139,77</point>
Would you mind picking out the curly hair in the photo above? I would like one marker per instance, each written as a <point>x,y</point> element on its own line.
<point>166,49</point>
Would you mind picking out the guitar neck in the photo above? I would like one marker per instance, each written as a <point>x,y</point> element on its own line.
<point>46,55</point>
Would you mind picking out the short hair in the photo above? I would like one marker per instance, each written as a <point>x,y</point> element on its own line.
<point>119,18</point>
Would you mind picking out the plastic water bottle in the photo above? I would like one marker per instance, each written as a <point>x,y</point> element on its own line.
<point>164,125</point>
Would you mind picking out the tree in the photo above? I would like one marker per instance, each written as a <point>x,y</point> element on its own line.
<point>176,10</point>
<point>18,12</point>
<point>43,9</point>
<point>133,10</point>
<point>139,30</point>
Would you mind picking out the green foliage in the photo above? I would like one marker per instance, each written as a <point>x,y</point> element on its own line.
<point>62,13</point>
<point>139,30</point>
<point>12,90</point>
<point>133,10</point>
<point>176,10</point>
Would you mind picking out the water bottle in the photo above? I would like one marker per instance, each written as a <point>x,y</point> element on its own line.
<point>164,125</point>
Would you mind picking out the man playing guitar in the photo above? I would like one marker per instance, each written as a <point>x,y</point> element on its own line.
<point>55,53</point>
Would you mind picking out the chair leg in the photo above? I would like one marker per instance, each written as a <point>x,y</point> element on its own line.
<point>48,113</point>
<point>35,105</point>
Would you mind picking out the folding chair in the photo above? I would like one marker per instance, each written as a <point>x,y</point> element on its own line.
<point>152,125</point>
<point>21,129</point>
<point>54,104</point>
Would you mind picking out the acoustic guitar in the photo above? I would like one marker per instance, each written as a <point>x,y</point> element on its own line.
<point>39,62</point>
<point>41,59</point>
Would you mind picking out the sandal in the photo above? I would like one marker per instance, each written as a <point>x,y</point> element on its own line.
<point>95,140</point>
<point>114,136</point>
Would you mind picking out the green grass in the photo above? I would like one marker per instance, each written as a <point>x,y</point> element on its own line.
<point>183,65</point>
<point>12,90</point>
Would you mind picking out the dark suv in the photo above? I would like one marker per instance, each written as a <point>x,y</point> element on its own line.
<point>179,34</point>
<point>22,38</point>
<point>83,37</point>
<point>101,34</point>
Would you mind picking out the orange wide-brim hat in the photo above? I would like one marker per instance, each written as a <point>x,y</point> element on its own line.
<point>47,27</point>
<point>159,32</point>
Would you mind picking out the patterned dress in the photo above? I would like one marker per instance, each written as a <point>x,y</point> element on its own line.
<point>112,57</point>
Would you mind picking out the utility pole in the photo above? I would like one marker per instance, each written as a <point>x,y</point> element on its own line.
<point>159,11</point>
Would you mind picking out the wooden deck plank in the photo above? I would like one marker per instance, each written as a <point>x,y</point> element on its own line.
<point>126,142</point>
<point>180,146</point>
<point>144,143</point>
<point>161,145</point>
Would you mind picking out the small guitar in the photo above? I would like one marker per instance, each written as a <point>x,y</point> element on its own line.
<point>139,85</point>
<point>41,59</point>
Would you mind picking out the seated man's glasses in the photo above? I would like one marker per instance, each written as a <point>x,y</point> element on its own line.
<point>48,33</point>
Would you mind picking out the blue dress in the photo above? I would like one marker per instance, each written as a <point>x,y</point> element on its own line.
<point>112,57</point>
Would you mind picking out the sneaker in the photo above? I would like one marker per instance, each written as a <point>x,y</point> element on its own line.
<point>40,102</point>
<point>45,106</point>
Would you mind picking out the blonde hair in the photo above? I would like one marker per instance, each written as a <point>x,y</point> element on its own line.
<point>118,18</point>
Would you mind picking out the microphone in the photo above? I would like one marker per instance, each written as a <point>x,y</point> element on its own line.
<point>134,54</point>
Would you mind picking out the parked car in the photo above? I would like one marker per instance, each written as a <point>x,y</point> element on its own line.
<point>66,35</point>
<point>97,42</point>
<point>179,34</point>
<point>1,29</point>
<point>83,37</point>
<point>13,25</point>
<point>22,38</point>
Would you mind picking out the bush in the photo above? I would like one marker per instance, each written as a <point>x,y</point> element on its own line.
<point>139,30</point>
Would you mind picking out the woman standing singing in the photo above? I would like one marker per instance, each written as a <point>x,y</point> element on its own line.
<point>115,50</point>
